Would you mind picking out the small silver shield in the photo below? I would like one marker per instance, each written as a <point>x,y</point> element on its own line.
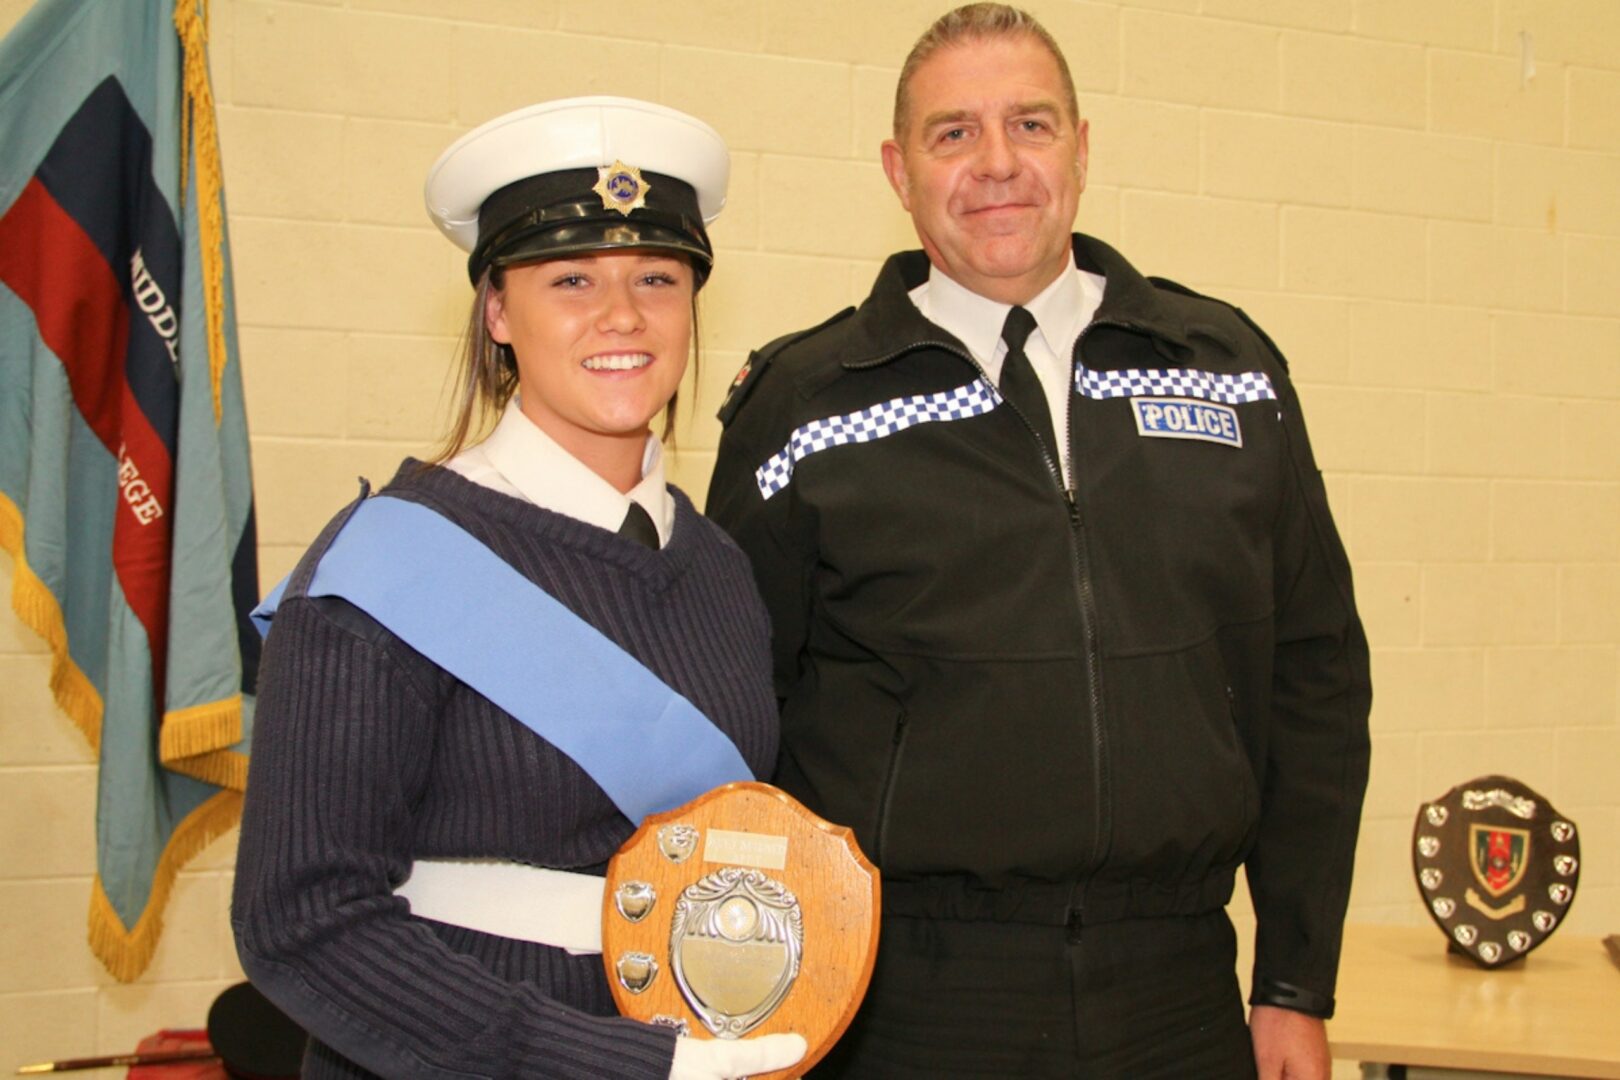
<point>677,842</point>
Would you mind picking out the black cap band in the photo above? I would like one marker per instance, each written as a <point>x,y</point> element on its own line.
<point>558,214</point>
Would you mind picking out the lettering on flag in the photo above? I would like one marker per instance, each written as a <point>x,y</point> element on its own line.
<point>150,299</point>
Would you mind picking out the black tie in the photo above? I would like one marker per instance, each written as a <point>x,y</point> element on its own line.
<point>1018,382</point>
<point>638,526</point>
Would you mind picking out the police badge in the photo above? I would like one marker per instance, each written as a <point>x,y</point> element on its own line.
<point>1496,866</point>
<point>741,913</point>
<point>621,187</point>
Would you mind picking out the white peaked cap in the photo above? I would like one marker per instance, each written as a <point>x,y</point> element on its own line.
<point>573,133</point>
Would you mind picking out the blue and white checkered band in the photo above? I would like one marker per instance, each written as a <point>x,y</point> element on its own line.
<point>1239,389</point>
<point>873,422</point>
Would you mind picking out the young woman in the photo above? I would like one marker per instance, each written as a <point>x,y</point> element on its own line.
<point>451,736</point>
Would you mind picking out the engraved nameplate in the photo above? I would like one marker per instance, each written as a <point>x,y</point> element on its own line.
<point>745,849</point>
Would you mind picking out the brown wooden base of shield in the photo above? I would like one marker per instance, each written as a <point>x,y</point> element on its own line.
<point>837,890</point>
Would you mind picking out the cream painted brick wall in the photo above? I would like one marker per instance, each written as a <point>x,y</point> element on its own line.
<point>830,208</point>
<point>1353,79</point>
<point>1594,109</point>
<point>1347,253</point>
<point>1458,24</point>
<point>1388,595</point>
<point>1312,14</point>
<point>1592,266</point>
<point>1434,176</point>
<point>1357,430</point>
<point>1431,346</point>
<point>1570,31</point>
<point>1486,266</point>
<point>1143,144</point>
<point>1556,354</point>
<point>1488,96</point>
<point>1199,61</point>
<point>1432,238</point>
<point>1486,435</point>
<point>1278,159</point>
<point>1238,239</point>
<point>1546,188</point>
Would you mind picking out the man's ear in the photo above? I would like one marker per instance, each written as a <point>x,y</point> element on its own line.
<point>1082,151</point>
<point>894,167</point>
<point>495,316</point>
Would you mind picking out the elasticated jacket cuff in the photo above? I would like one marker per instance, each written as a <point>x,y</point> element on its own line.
<point>1286,996</point>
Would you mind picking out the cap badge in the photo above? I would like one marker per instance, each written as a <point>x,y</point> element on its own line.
<point>621,187</point>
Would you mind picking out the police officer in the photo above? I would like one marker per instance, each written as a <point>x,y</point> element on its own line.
<point>420,874</point>
<point>1063,627</point>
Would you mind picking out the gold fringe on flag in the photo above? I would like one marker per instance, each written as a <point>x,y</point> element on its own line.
<point>200,730</point>
<point>127,952</point>
<point>193,741</point>
<point>199,132</point>
<point>36,606</point>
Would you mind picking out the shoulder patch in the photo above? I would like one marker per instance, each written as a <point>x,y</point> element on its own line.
<point>759,360</point>
<point>741,384</point>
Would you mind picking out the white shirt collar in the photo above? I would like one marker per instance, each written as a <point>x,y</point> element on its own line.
<point>1061,311</point>
<point>520,460</point>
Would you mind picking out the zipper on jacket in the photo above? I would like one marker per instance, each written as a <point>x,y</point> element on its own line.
<point>1085,595</point>
<point>1084,591</point>
<point>896,751</point>
<point>1086,598</point>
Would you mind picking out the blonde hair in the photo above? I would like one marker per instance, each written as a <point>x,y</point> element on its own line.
<point>975,22</point>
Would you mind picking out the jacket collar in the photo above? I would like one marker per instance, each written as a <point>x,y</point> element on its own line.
<point>888,323</point>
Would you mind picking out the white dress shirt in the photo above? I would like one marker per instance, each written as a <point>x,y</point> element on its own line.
<point>520,460</point>
<point>1062,310</point>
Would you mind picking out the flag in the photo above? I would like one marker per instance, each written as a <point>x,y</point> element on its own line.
<point>126,501</point>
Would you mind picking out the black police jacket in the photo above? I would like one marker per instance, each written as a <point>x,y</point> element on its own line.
<point>1117,694</point>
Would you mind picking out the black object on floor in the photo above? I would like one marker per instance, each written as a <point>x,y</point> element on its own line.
<point>254,1039</point>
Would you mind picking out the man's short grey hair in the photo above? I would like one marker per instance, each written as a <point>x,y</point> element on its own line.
<point>975,22</point>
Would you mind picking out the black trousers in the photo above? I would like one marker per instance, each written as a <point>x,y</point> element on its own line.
<point>1139,998</point>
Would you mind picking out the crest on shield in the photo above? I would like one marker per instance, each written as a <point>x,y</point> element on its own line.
<point>735,943</point>
<point>1500,856</point>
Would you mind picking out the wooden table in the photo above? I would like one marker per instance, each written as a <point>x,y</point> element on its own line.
<point>1403,1000</point>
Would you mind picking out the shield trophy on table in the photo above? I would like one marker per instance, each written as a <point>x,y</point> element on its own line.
<point>742,913</point>
<point>1497,867</point>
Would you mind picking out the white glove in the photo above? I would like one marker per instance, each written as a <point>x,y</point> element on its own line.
<point>724,1059</point>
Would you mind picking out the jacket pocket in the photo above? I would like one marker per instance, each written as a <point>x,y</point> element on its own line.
<point>897,751</point>
<point>1249,788</point>
<point>1185,799</point>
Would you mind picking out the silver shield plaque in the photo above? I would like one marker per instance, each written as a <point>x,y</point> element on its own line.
<point>734,947</point>
<point>762,918</point>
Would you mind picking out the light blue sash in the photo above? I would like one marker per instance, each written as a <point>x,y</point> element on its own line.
<point>446,595</point>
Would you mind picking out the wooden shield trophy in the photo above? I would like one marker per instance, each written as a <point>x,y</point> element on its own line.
<point>1496,866</point>
<point>741,913</point>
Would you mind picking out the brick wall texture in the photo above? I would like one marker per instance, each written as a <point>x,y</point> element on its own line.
<point>1420,201</point>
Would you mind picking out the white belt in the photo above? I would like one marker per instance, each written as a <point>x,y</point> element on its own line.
<point>508,899</point>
